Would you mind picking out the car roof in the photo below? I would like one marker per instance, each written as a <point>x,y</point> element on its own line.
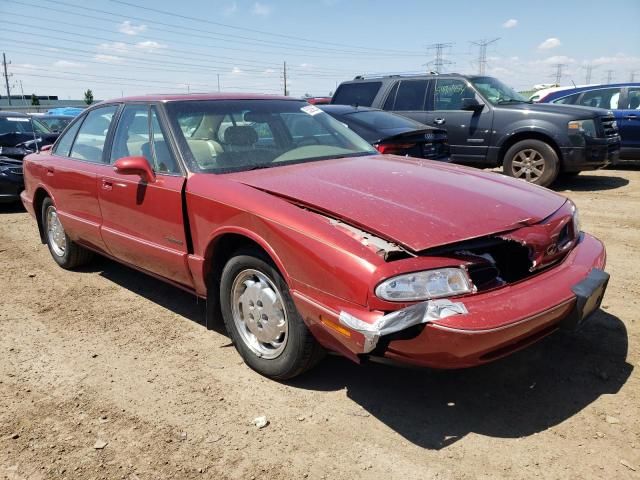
<point>373,78</point>
<point>199,96</point>
<point>344,109</point>
<point>4,113</point>
<point>572,90</point>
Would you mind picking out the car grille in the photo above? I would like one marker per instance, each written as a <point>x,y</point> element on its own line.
<point>609,127</point>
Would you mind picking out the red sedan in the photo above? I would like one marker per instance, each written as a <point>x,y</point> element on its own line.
<point>303,239</point>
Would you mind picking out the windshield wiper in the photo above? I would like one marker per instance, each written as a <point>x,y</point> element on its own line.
<point>510,100</point>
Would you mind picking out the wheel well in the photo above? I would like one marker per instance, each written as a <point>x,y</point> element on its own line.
<point>38,198</point>
<point>218,253</point>
<point>528,136</point>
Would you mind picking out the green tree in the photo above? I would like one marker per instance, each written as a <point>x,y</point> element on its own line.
<point>34,99</point>
<point>88,97</point>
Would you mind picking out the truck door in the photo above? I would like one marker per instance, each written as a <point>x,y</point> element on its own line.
<point>469,131</point>
<point>142,222</point>
<point>628,118</point>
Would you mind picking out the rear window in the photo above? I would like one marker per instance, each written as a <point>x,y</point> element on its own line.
<point>361,94</point>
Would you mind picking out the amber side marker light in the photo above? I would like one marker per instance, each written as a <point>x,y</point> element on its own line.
<point>334,326</point>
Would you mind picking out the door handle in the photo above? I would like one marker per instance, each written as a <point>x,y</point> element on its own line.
<point>107,185</point>
<point>439,121</point>
<point>630,117</point>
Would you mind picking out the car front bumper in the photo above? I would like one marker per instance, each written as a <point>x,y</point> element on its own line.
<point>594,154</point>
<point>10,188</point>
<point>496,324</point>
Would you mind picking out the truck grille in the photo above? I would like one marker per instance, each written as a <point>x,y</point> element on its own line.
<point>609,127</point>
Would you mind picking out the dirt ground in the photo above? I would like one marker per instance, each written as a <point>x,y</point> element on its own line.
<point>107,373</point>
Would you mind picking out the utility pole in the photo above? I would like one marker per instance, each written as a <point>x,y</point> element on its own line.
<point>439,61</point>
<point>6,76</point>
<point>589,68</point>
<point>218,82</point>
<point>285,79</point>
<point>24,100</point>
<point>610,75</point>
<point>482,55</point>
<point>558,74</point>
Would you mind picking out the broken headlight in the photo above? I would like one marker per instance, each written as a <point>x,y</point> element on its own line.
<point>443,282</point>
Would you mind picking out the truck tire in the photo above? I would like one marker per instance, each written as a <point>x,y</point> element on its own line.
<point>67,253</point>
<point>262,320</point>
<point>532,160</point>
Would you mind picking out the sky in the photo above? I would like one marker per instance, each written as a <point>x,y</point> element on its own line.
<point>132,47</point>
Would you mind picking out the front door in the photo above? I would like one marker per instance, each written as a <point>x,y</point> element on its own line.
<point>628,118</point>
<point>469,132</point>
<point>142,222</point>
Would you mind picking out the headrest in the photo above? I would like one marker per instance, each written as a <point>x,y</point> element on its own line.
<point>240,136</point>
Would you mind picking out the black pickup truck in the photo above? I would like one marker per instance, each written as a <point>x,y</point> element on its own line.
<point>491,125</point>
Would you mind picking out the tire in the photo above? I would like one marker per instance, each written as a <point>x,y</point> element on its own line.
<point>255,299</point>
<point>64,251</point>
<point>532,160</point>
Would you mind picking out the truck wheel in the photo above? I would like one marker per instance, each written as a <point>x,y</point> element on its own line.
<point>64,251</point>
<point>262,320</point>
<point>532,160</point>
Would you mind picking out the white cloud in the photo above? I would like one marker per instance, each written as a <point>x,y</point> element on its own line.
<point>549,43</point>
<point>66,64</point>
<point>511,23</point>
<point>618,59</point>
<point>261,9</point>
<point>236,71</point>
<point>150,46</point>
<point>114,47</point>
<point>128,28</point>
<point>230,9</point>
<point>107,58</point>
<point>558,59</point>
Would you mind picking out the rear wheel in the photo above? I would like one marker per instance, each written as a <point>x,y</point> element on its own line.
<point>64,251</point>
<point>532,160</point>
<point>262,320</point>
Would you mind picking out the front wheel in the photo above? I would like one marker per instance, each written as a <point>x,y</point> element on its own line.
<point>532,160</point>
<point>64,251</point>
<point>262,320</point>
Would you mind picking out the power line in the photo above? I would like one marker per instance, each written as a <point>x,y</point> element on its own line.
<point>558,71</point>
<point>439,61</point>
<point>482,54</point>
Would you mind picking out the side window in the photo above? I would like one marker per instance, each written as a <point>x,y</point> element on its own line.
<point>360,93</point>
<point>603,98</point>
<point>64,144</point>
<point>633,99</point>
<point>568,100</point>
<point>163,158</point>
<point>132,134</point>
<point>89,144</point>
<point>449,93</point>
<point>391,98</point>
<point>411,95</point>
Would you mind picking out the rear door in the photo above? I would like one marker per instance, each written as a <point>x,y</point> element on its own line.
<point>77,159</point>
<point>143,223</point>
<point>469,131</point>
<point>408,98</point>
<point>628,118</point>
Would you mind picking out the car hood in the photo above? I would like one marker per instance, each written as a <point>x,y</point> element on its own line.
<point>573,111</point>
<point>418,204</point>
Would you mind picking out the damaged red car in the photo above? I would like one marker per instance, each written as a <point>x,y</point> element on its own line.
<point>303,239</point>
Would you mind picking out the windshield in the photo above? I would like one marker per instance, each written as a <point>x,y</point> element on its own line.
<point>233,135</point>
<point>496,92</point>
<point>382,120</point>
<point>18,124</point>
<point>55,124</point>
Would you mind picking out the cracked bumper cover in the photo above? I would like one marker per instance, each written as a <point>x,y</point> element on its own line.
<point>496,323</point>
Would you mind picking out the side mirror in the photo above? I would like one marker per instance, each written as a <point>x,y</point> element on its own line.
<point>472,104</point>
<point>46,148</point>
<point>135,166</point>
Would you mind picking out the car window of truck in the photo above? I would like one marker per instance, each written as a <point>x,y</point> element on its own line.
<point>449,93</point>
<point>411,95</point>
<point>89,144</point>
<point>361,94</point>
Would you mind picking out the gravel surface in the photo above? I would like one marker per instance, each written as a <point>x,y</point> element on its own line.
<point>108,373</point>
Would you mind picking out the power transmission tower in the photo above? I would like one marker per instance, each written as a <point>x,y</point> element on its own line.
<point>6,76</point>
<point>589,68</point>
<point>482,55</point>
<point>558,74</point>
<point>610,75</point>
<point>439,61</point>
<point>632,76</point>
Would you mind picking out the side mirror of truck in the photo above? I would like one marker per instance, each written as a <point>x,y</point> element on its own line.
<point>472,104</point>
